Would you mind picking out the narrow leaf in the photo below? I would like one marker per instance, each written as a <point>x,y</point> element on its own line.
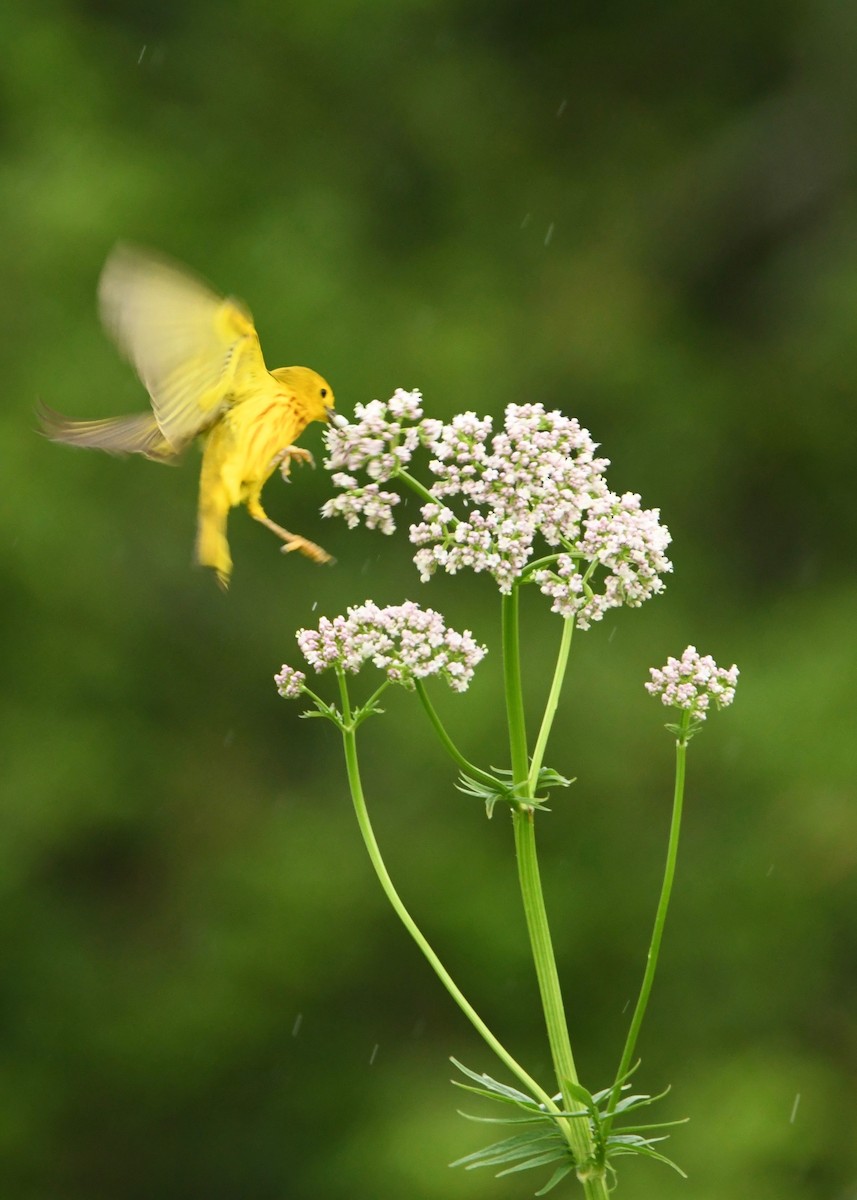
<point>557,1177</point>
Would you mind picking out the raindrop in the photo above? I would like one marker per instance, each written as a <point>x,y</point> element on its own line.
<point>526,221</point>
<point>769,871</point>
<point>612,634</point>
<point>625,1009</point>
<point>561,108</point>
<point>549,234</point>
<point>794,1108</point>
<point>141,54</point>
<point>296,1028</point>
<point>373,1055</point>
<point>314,606</point>
<point>230,738</point>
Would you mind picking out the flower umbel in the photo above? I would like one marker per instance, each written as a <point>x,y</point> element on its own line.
<point>532,497</point>
<point>290,683</point>
<point>377,440</point>
<point>627,543</point>
<point>405,641</point>
<point>693,683</point>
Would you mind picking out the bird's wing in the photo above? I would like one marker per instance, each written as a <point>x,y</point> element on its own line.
<point>191,348</point>
<point>136,434</point>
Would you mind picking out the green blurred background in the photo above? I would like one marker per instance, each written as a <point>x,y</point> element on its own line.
<point>644,214</point>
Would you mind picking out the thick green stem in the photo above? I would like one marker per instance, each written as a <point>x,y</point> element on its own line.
<point>579,1134</point>
<point>548,977</point>
<point>660,917</point>
<point>352,767</point>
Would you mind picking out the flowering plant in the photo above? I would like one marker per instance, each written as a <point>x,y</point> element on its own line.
<point>527,505</point>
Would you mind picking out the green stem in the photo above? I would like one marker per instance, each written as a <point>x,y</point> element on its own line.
<point>514,690</point>
<point>376,696</point>
<point>352,767</point>
<point>532,896</point>
<point>538,564</point>
<point>547,975</point>
<point>552,702</point>
<point>416,486</point>
<point>660,918</point>
<point>467,767</point>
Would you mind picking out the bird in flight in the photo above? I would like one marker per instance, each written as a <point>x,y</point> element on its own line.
<point>198,356</point>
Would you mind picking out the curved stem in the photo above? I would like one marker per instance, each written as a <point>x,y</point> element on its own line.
<point>552,702</point>
<point>455,754</point>
<point>418,487</point>
<point>350,746</point>
<point>538,564</point>
<point>369,704</point>
<point>660,919</point>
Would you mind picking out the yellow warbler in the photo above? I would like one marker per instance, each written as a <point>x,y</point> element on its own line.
<point>199,358</point>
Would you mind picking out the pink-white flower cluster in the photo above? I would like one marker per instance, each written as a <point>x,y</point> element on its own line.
<point>380,442</point>
<point>532,480</point>
<point>404,640</point>
<point>628,542</point>
<point>534,491</point>
<point>693,682</point>
<point>290,683</point>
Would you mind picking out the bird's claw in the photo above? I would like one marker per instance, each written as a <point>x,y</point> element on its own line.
<point>305,546</point>
<point>284,457</point>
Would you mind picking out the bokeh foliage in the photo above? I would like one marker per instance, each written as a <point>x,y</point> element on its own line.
<point>643,214</point>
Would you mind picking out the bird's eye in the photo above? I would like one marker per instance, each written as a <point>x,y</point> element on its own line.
<point>323,393</point>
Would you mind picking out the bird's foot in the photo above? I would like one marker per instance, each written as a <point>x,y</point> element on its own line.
<point>284,458</point>
<point>304,546</point>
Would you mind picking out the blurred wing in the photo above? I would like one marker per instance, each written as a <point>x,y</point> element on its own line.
<point>137,434</point>
<point>192,349</point>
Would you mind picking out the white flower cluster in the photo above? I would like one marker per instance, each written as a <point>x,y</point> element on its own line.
<point>380,443</point>
<point>535,491</point>
<point>693,682</point>
<point>405,640</point>
<point>534,478</point>
<point>628,541</point>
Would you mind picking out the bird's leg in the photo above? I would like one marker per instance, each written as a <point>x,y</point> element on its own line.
<point>292,541</point>
<point>283,459</point>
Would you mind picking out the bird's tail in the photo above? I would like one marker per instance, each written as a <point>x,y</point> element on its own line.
<point>137,434</point>
<point>212,548</point>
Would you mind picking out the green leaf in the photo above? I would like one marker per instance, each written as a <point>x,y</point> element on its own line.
<point>647,1152</point>
<point>500,789</point>
<point>544,1141</point>
<point>557,1177</point>
<point>549,778</point>
<point>493,1085</point>
<point>521,1145</point>
<point>538,1160</point>
<point>366,710</point>
<point>579,1092</point>
<point>328,711</point>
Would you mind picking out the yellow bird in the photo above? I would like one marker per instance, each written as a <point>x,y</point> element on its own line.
<point>199,358</point>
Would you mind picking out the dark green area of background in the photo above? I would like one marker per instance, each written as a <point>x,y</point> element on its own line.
<point>643,214</point>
